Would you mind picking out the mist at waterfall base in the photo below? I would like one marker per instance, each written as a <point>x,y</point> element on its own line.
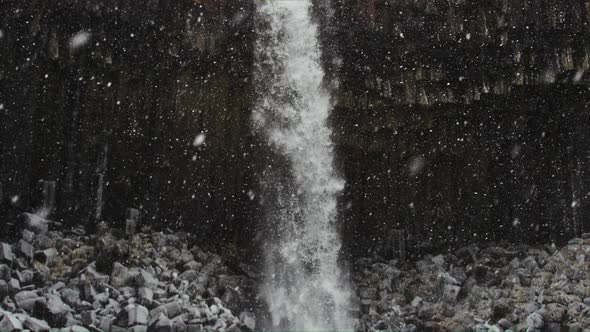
<point>305,288</point>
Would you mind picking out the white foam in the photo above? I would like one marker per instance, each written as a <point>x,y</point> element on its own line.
<point>305,287</point>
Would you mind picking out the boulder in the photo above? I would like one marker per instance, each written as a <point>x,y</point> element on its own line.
<point>47,256</point>
<point>173,309</point>
<point>54,311</point>
<point>42,242</point>
<point>161,324</point>
<point>89,317</point>
<point>106,322</point>
<point>26,249</point>
<point>450,293</point>
<point>92,274</point>
<point>534,321</point>
<point>10,323</point>
<point>138,314</point>
<point>25,277</point>
<point>189,275</point>
<point>120,276</point>
<point>192,265</point>
<point>5,272</point>
<point>26,300</point>
<point>13,286</point>
<point>6,254</point>
<point>70,296</point>
<point>36,325</point>
<point>146,295</point>
<point>145,279</point>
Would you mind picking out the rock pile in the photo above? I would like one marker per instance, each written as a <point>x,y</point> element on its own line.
<point>492,288</point>
<point>71,281</point>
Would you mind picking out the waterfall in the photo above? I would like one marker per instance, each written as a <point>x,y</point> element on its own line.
<point>305,287</point>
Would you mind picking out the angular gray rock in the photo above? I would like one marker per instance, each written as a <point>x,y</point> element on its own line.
<point>5,272</point>
<point>10,323</point>
<point>173,309</point>
<point>89,317</point>
<point>450,293</point>
<point>120,276</point>
<point>145,279</point>
<point>161,324</point>
<point>47,256</point>
<point>26,300</point>
<point>137,314</point>
<point>26,249</point>
<point>145,294</point>
<point>534,321</point>
<point>36,325</point>
<point>6,254</point>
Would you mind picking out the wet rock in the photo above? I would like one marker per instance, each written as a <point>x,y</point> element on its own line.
<point>8,305</point>
<point>6,254</point>
<point>173,309</point>
<point>26,249</point>
<point>192,265</point>
<point>450,293</point>
<point>47,256</point>
<point>13,286</point>
<point>146,295</point>
<point>194,327</point>
<point>138,314</point>
<point>42,242</point>
<point>120,276</point>
<point>5,272</point>
<point>76,328</point>
<point>505,324</point>
<point>534,321</point>
<point>178,324</point>
<point>161,324</point>
<point>139,328</point>
<point>89,317</point>
<point>127,292</point>
<point>189,275</point>
<point>25,277</point>
<point>145,279</point>
<point>36,325</point>
<point>94,276</point>
<point>10,323</point>
<point>554,312</point>
<point>54,311</point>
<point>26,300</point>
<point>70,296</point>
<point>106,322</point>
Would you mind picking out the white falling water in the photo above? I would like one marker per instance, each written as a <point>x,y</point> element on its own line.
<point>305,288</point>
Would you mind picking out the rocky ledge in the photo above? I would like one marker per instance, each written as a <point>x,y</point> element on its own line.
<point>487,288</point>
<point>115,281</point>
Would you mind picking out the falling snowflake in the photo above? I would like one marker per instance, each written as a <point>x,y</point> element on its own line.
<point>79,40</point>
<point>199,140</point>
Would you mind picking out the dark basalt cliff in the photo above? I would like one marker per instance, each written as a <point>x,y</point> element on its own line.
<point>114,121</point>
<point>455,121</point>
<point>465,120</point>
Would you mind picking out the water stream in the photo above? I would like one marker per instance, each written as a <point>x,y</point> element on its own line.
<point>305,289</point>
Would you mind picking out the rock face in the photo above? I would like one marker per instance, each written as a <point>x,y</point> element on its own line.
<point>440,96</point>
<point>495,288</point>
<point>436,97</point>
<point>186,63</point>
<point>143,292</point>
